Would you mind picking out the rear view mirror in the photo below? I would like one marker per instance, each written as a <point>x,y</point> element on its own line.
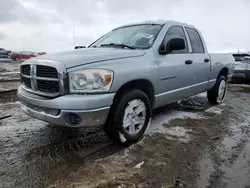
<point>78,47</point>
<point>172,44</point>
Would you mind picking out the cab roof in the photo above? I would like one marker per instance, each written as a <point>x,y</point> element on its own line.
<point>158,22</point>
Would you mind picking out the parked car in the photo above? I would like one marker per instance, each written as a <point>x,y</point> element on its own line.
<point>122,76</point>
<point>79,47</point>
<point>22,55</point>
<point>242,66</point>
<point>41,53</point>
<point>4,53</point>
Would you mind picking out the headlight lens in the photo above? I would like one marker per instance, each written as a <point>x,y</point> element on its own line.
<point>90,80</point>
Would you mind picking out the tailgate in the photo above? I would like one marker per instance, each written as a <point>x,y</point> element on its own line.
<point>240,65</point>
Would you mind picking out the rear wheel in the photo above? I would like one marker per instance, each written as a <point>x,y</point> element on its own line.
<point>218,93</point>
<point>129,117</point>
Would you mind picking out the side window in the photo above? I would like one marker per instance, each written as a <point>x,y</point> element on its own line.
<point>195,39</point>
<point>177,31</point>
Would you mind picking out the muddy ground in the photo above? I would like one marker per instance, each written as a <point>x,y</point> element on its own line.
<point>197,146</point>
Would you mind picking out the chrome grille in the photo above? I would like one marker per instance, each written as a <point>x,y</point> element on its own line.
<point>25,69</point>
<point>47,86</point>
<point>46,71</point>
<point>26,82</point>
<point>40,79</point>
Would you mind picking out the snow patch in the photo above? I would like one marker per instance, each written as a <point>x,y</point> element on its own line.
<point>10,103</point>
<point>214,110</point>
<point>179,133</point>
<point>148,126</point>
<point>122,137</point>
<point>9,73</point>
<point>165,118</point>
<point>139,165</point>
<point>204,94</point>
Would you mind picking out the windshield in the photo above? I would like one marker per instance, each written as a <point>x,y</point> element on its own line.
<point>136,36</point>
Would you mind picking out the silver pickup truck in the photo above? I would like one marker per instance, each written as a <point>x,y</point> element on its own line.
<point>117,80</point>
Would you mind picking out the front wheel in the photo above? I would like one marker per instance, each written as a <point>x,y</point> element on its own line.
<point>218,93</point>
<point>129,117</point>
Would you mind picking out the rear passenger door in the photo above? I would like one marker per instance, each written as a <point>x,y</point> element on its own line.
<point>200,61</point>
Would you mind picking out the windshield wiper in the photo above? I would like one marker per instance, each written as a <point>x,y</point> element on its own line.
<point>117,45</point>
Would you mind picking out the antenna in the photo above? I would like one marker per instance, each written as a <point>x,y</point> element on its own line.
<point>74,33</point>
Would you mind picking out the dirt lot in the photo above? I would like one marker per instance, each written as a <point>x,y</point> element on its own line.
<point>197,146</point>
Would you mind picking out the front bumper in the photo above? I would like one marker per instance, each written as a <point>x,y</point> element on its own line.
<point>241,74</point>
<point>68,110</point>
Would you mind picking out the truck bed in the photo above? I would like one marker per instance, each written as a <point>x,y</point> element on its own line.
<point>219,60</point>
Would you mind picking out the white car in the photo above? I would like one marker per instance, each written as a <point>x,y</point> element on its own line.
<point>242,66</point>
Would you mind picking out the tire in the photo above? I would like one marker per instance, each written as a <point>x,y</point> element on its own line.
<point>124,125</point>
<point>217,94</point>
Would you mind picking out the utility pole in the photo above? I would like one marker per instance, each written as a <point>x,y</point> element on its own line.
<point>74,33</point>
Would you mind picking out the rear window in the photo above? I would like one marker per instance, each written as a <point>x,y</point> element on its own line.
<point>195,39</point>
<point>240,57</point>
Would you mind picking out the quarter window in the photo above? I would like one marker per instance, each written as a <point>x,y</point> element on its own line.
<point>195,39</point>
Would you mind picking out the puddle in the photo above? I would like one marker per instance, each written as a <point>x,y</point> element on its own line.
<point>238,174</point>
<point>206,169</point>
<point>229,143</point>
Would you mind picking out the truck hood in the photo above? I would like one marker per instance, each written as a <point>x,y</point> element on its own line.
<point>90,55</point>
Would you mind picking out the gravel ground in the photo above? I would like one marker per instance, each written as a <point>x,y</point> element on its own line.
<point>190,144</point>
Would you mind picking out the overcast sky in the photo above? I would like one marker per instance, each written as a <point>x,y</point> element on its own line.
<point>47,25</point>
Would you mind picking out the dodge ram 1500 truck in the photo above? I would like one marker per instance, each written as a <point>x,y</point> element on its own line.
<point>117,80</point>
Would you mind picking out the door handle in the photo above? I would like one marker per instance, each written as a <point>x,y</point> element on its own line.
<point>206,60</point>
<point>188,62</point>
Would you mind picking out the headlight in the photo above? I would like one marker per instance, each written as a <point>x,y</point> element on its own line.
<point>90,80</point>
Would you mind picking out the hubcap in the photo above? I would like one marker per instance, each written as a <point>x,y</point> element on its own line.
<point>134,116</point>
<point>222,90</point>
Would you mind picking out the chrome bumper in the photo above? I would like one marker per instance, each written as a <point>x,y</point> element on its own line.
<point>68,110</point>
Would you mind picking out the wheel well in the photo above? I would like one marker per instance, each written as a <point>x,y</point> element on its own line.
<point>224,72</point>
<point>144,85</point>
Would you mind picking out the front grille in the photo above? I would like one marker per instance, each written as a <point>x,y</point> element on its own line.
<point>26,82</point>
<point>46,71</point>
<point>41,79</point>
<point>25,69</point>
<point>47,86</point>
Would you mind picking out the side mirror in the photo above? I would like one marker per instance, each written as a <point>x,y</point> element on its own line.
<point>78,47</point>
<point>172,44</point>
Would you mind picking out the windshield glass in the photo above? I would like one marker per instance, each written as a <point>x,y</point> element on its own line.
<point>136,36</point>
